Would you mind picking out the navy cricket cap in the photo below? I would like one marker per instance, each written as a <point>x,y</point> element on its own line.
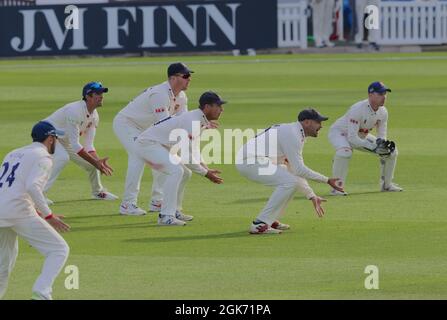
<point>378,87</point>
<point>44,129</point>
<point>93,87</point>
<point>311,114</point>
<point>178,68</point>
<point>210,97</point>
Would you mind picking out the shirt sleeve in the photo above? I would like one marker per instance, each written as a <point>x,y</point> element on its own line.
<point>35,183</point>
<point>353,132</point>
<point>304,187</point>
<point>73,123</point>
<point>383,126</point>
<point>89,137</point>
<point>292,149</point>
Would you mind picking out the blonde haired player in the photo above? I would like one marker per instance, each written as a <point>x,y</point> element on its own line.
<point>152,105</point>
<point>352,131</point>
<point>23,175</point>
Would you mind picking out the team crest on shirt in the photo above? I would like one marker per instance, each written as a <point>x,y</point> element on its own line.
<point>158,110</point>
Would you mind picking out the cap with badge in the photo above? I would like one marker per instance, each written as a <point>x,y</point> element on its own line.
<point>44,129</point>
<point>178,68</point>
<point>210,97</point>
<point>311,114</point>
<point>378,87</point>
<point>95,87</point>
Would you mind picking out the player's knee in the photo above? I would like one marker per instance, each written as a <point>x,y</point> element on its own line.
<point>177,170</point>
<point>344,153</point>
<point>187,173</point>
<point>394,153</point>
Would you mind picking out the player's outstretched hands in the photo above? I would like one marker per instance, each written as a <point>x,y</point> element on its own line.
<point>336,184</point>
<point>316,201</point>
<point>104,167</point>
<point>56,222</point>
<point>213,176</point>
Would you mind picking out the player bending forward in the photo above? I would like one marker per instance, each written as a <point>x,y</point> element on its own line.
<point>156,147</point>
<point>352,131</point>
<point>274,158</point>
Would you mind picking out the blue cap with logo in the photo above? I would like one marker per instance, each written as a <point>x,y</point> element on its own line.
<point>43,130</point>
<point>93,87</point>
<point>378,87</point>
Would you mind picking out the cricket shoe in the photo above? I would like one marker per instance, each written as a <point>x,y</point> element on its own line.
<point>39,296</point>
<point>165,220</point>
<point>262,228</point>
<point>280,226</point>
<point>391,188</point>
<point>184,217</point>
<point>104,195</point>
<point>338,193</point>
<point>155,206</point>
<point>131,209</point>
<point>49,202</point>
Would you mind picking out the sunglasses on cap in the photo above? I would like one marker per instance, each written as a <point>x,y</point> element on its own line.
<point>184,76</point>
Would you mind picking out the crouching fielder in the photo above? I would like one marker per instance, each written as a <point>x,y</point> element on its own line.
<point>274,158</point>
<point>352,131</point>
<point>22,178</point>
<point>158,147</point>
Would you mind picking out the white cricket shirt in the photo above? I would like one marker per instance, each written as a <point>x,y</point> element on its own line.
<point>154,104</point>
<point>359,121</point>
<point>23,175</point>
<point>75,120</point>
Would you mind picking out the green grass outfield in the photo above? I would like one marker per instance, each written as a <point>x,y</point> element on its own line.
<point>214,257</point>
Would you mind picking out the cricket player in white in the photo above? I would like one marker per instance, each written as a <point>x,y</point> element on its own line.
<point>23,175</point>
<point>352,131</point>
<point>322,18</point>
<point>80,119</point>
<point>274,158</point>
<point>157,146</point>
<point>152,105</point>
<point>373,34</point>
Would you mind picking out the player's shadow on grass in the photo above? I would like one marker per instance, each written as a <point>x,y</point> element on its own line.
<point>114,227</point>
<point>329,196</point>
<point>230,235</point>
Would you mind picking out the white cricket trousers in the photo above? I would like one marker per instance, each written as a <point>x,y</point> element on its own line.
<point>62,154</point>
<point>40,235</point>
<point>285,183</point>
<point>343,154</point>
<point>177,174</point>
<point>127,132</point>
<point>322,16</point>
<point>360,5</point>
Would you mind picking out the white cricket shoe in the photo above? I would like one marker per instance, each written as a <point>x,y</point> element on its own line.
<point>165,220</point>
<point>131,209</point>
<point>280,226</point>
<point>38,296</point>
<point>49,202</point>
<point>263,228</point>
<point>391,188</point>
<point>184,217</point>
<point>104,195</point>
<point>155,206</point>
<point>338,193</point>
